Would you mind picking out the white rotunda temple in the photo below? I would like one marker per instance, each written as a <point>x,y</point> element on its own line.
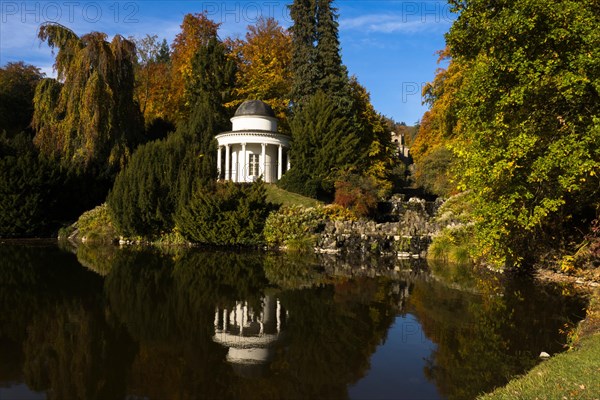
<point>253,148</point>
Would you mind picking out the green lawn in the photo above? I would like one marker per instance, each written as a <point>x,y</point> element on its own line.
<point>279,196</point>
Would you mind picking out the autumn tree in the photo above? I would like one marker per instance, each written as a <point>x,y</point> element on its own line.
<point>87,117</point>
<point>264,66</point>
<point>17,88</point>
<point>196,31</point>
<point>431,148</point>
<point>529,123</point>
<point>375,140</point>
<point>153,77</point>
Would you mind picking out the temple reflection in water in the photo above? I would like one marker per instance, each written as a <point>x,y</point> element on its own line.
<point>250,334</point>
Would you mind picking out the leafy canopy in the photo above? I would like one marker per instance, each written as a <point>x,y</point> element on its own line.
<point>87,117</point>
<point>529,121</point>
<point>264,71</point>
<point>17,88</point>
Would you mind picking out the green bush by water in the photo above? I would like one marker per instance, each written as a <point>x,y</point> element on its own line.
<point>228,214</point>
<point>96,225</point>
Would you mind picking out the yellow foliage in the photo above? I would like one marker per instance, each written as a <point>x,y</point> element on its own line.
<point>264,60</point>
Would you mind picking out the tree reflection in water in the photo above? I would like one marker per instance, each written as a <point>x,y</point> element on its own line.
<point>488,328</point>
<point>161,325</point>
<point>52,311</point>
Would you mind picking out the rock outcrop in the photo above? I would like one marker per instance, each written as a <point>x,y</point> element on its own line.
<point>408,235</point>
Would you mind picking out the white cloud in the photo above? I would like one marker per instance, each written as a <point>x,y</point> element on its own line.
<point>396,23</point>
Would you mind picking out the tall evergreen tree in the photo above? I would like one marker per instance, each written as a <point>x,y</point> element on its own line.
<point>211,88</point>
<point>163,55</point>
<point>325,143</point>
<point>304,55</point>
<point>316,59</point>
<point>196,31</point>
<point>333,77</point>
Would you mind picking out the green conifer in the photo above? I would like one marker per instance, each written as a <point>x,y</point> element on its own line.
<point>333,78</point>
<point>304,37</point>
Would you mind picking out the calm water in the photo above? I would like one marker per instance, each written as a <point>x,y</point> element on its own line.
<point>112,324</point>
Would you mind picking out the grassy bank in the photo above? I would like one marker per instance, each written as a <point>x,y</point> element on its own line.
<point>277,195</point>
<point>574,374</point>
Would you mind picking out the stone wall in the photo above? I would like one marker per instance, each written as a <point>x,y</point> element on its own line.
<point>408,235</point>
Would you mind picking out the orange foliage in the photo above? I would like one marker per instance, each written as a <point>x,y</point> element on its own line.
<point>196,31</point>
<point>356,193</point>
<point>153,95</point>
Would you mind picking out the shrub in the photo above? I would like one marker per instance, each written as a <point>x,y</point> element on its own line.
<point>147,193</point>
<point>296,227</point>
<point>336,212</point>
<point>454,244</point>
<point>26,189</point>
<point>96,225</point>
<point>588,253</point>
<point>357,193</point>
<point>292,225</point>
<point>297,182</point>
<point>225,214</point>
<point>36,194</point>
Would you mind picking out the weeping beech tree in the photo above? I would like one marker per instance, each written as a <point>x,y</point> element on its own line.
<point>87,117</point>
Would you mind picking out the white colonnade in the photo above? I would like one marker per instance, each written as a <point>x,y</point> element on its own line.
<point>245,162</point>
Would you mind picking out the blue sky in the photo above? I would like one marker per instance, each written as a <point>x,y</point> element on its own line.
<point>389,45</point>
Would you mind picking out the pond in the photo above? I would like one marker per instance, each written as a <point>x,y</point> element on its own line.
<point>108,323</point>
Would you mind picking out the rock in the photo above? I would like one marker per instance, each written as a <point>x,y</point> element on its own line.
<point>407,233</point>
<point>544,355</point>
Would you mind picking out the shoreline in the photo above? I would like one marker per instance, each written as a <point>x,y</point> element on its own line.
<point>546,275</point>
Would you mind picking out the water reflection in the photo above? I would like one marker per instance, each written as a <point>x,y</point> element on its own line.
<point>221,325</point>
<point>250,334</point>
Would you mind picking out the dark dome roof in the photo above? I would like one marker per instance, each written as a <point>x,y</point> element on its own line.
<point>255,107</point>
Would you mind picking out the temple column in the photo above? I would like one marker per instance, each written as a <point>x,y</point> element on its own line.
<point>244,166</point>
<point>219,162</point>
<point>227,162</point>
<point>278,313</point>
<point>264,161</point>
<point>279,162</point>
